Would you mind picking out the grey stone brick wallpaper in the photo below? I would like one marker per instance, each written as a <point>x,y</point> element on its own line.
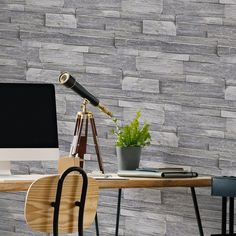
<point>174,60</point>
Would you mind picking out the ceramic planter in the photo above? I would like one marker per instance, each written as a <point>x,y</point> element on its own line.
<point>128,157</point>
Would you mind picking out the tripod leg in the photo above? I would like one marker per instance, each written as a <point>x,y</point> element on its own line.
<point>77,124</point>
<point>82,144</point>
<point>77,136</point>
<point>100,163</point>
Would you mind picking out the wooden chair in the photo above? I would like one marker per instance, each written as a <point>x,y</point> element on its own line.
<point>225,187</point>
<point>62,203</point>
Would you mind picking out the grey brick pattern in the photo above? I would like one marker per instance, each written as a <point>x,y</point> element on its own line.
<point>61,20</point>
<point>159,27</point>
<point>174,60</point>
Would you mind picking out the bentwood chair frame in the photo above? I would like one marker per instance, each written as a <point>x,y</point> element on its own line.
<point>63,203</point>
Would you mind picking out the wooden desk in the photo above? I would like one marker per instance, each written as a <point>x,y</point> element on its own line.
<point>22,183</point>
<point>154,182</point>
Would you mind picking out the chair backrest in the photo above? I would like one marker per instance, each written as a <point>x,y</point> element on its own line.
<point>40,200</point>
<point>224,186</point>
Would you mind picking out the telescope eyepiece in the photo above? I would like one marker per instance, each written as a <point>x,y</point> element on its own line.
<point>63,78</point>
<point>66,79</point>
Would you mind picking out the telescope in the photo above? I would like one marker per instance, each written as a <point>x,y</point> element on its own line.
<point>69,81</point>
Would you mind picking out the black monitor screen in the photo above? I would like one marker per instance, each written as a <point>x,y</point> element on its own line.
<point>28,116</point>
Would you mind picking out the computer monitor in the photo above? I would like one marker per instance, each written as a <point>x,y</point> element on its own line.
<point>28,123</point>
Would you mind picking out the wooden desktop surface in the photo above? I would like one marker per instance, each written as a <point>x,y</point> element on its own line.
<point>22,182</point>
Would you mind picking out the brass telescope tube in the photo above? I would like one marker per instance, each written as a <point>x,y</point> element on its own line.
<point>69,81</point>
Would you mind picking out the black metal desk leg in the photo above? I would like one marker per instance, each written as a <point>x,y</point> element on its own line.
<point>224,215</point>
<point>199,222</point>
<point>118,212</point>
<point>96,224</point>
<point>231,215</point>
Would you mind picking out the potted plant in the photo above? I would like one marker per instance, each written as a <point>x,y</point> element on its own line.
<point>131,138</point>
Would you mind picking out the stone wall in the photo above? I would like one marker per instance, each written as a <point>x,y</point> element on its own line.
<point>172,59</point>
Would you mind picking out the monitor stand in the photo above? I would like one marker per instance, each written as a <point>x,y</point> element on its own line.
<point>5,168</point>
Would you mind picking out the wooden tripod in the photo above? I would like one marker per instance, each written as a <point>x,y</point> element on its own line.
<point>79,143</point>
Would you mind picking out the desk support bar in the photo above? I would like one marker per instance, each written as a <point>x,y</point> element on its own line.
<point>199,222</point>
<point>118,212</point>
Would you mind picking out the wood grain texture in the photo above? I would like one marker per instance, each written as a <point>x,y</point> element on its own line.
<point>66,162</point>
<point>38,209</point>
<point>154,182</point>
<point>116,182</point>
